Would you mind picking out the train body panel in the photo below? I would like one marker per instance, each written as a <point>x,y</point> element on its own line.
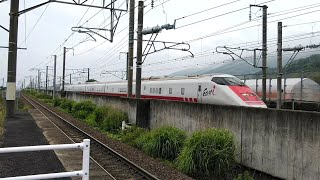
<point>210,89</point>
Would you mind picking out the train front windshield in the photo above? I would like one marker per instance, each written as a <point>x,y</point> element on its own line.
<point>230,81</point>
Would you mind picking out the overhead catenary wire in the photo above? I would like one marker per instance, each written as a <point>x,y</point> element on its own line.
<point>219,15</point>
<point>289,17</point>
<point>110,60</point>
<point>34,26</point>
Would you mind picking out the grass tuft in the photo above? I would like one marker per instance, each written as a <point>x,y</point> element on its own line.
<point>131,134</point>
<point>165,142</point>
<point>209,153</point>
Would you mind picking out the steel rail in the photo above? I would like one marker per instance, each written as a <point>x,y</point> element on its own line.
<point>129,163</point>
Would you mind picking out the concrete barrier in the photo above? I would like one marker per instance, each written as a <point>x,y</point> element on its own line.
<point>282,143</point>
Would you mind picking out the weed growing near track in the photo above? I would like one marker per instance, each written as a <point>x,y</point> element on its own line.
<point>165,142</point>
<point>209,153</point>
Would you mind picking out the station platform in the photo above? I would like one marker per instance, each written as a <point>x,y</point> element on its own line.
<point>22,130</point>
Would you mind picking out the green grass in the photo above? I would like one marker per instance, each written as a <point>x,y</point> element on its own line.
<point>165,142</point>
<point>66,105</point>
<point>244,176</point>
<point>83,109</point>
<point>131,134</point>
<point>209,153</point>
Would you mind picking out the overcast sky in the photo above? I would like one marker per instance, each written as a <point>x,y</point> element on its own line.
<point>43,32</point>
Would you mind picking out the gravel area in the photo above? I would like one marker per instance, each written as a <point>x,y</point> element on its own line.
<point>154,166</point>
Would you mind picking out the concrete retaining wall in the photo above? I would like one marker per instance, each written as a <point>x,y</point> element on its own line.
<point>282,143</point>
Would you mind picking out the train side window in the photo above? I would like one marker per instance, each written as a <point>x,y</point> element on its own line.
<point>156,90</point>
<point>159,90</point>
<point>153,90</point>
<point>150,90</point>
<point>182,91</point>
<point>199,87</point>
<point>170,90</point>
<point>144,87</point>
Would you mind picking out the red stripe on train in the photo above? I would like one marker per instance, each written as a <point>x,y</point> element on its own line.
<point>143,96</point>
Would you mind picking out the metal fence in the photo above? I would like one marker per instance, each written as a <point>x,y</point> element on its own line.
<point>84,173</point>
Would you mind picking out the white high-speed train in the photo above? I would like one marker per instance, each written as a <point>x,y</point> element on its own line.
<point>221,89</point>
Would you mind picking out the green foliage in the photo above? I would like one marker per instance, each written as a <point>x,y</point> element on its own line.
<point>90,120</point>
<point>113,120</point>
<point>108,118</point>
<point>66,105</point>
<point>83,109</point>
<point>309,65</point>
<point>56,102</point>
<point>48,101</point>
<point>100,113</point>
<point>141,140</point>
<point>131,134</point>
<point>40,95</point>
<point>209,153</point>
<point>165,142</point>
<point>245,176</point>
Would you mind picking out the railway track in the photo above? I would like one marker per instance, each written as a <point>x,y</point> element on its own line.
<point>116,165</point>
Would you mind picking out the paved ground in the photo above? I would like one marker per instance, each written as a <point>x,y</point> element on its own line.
<point>23,131</point>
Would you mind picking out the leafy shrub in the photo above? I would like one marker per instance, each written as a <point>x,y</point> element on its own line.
<point>48,101</point>
<point>113,120</point>
<point>165,142</point>
<point>56,102</point>
<point>90,120</point>
<point>141,140</point>
<point>40,95</point>
<point>66,105</point>
<point>209,153</point>
<point>83,109</point>
<point>131,134</point>
<point>100,113</point>
<point>245,176</point>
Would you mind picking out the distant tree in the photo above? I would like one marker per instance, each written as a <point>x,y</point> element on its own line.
<point>91,80</point>
<point>309,65</point>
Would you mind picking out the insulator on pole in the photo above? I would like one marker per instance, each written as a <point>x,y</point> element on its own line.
<point>155,29</point>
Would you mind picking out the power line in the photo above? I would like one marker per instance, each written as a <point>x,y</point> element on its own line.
<point>34,25</point>
<point>207,10</point>
<point>227,13</point>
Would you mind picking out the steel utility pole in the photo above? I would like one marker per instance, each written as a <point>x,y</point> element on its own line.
<point>264,52</point>
<point>54,75</point>
<point>279,64</point>
<point>127,65</point>
<point>12,59</point>
<point>88,74</point>
<point>264,49</point>
<point>30,83</point>
<point>47,80</point>
<point>39,79</point>
<point>63,71</point>
<point>139,50</point>
<point>131,47</point>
